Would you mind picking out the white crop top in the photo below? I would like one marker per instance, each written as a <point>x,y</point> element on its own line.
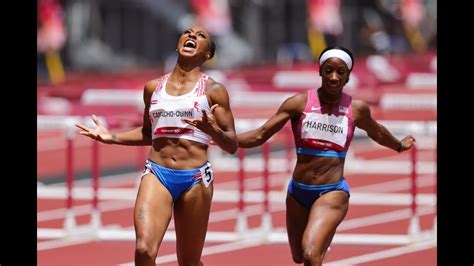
<point>166,112</point>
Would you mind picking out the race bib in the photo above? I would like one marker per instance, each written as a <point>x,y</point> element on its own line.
<point>207,174</point>
<point>330,128</point>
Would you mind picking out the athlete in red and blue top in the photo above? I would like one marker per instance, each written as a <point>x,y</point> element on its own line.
<point>184,110</point>
<point>323,122</point>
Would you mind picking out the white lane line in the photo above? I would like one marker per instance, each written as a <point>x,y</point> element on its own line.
<point>258,210</point>
<point>85,209</point>
<point>216,249</point>
<point>384,254</point>
<point>52,144</point>
<point>275,198</point>
<point>64,242</point>
<point>399,184</point>
<point>231,214</point>
<point>381,218</point>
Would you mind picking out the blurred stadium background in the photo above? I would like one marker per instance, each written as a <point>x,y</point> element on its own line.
<point>94,57</point>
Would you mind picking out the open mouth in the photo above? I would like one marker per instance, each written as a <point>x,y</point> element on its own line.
<point>333,84</point>
<point>190,44</point>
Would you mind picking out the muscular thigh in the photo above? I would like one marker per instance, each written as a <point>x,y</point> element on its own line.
<point>152,212</point>
<point>326,214</point>
<point>191,216</point>
<point>296,220</point>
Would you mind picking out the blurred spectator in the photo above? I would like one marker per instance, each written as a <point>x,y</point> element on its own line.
<point>418,23</point>
<point>324,24</point>
<point>394,26</point>
<point>51,31</point>
<point>51,36</point>
<point>382,28</point>
<point>112,35</point>
<point>213,15</point>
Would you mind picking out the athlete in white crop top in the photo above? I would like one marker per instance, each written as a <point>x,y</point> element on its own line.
<point>184,110</point>
<point>323,122</point>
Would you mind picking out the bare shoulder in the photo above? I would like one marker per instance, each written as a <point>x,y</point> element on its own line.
<point>217,93</point>
<point>294,105</point>
<point>299,98</point>
<point>150,86</point>
<point>360,105</point>
<point>213,86</point>
<point>360,109</point>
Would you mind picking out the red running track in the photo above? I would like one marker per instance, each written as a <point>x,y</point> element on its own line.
<point>93,252</point>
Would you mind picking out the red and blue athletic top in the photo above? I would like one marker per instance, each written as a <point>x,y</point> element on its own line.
<point>319,133</point>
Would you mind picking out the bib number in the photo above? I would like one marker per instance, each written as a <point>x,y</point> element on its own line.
<point>207,175</point>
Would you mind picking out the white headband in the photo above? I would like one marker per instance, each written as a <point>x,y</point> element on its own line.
<point>336,53</point>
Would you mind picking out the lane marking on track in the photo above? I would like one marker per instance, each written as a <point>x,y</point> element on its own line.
<point>64,242</point>
<point>231,196</point>
<point>384,254</point>
<point>381,218</point>
<point>255,210</point>
<point>85,209</point>
<point>345,262</point>
<point>399,184</point>
<point>216,249</point>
